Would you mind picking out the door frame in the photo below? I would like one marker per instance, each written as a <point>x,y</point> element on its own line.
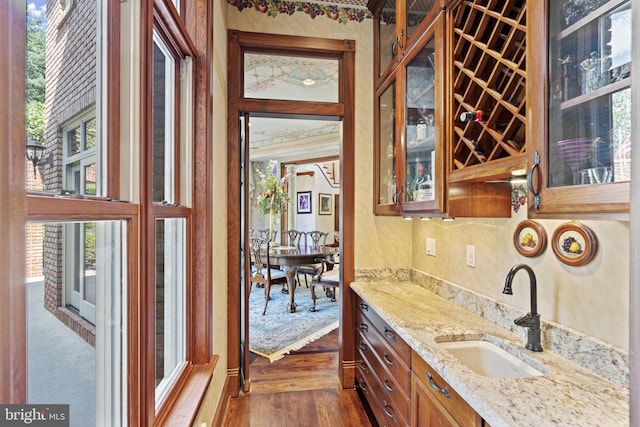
<point>343,50</point>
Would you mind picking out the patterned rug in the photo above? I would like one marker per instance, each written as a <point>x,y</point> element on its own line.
<point>279,332</point>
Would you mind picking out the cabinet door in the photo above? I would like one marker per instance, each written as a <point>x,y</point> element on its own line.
<point>386,180</point>
<point>386,38</point>
<point>423,123</point>
<point>585,157</point>
<point>426,411</point>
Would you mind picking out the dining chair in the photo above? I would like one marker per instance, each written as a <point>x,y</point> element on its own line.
<point>262,272</point>
<point>318,239</point>
<point>329,278</point>
<point>294,237</point>
<point>265,234</point>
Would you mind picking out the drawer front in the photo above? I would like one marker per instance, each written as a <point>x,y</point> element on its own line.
<point>392,339</point>
<point>389,358</point>
<point>386,414</point>
<point>395,393</point>
<point>452,402</point>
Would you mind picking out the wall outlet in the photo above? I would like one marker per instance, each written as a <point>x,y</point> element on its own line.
<point>431,246</point>
<point>471,256</point>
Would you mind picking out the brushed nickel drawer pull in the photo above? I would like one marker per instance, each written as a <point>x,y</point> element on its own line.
<point>387,413</point>
<point>436,388</point>
<point>389,334</point>
<point>364,327</point>
<point>387,386</point>
<point>364,306</point>
<point>388,361</point>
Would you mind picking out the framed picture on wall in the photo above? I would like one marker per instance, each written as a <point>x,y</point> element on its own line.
<point>303,202</point>
<point>324,204</point>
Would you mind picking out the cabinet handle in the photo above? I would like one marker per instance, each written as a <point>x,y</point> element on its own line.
<point>363,346</point>
<point>364,306</point>
<point>388,361</point>
<point>387,386</point>
<point>363,366</point>
<point>536,194</point>
<point>436,388</point>
<point>364,327</point>
<point>387,413</point>
<point>389,334</point>
<point>363,386</point>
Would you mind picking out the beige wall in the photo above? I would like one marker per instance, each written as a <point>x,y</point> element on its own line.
<point>592,299</point>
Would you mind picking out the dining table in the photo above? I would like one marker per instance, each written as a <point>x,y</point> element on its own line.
<point>291,258</point>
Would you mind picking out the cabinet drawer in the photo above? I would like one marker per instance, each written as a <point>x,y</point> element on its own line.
<point>387,383</point>
<point>395,364</point>
<point>392,339</point>
<point>452,402</point>
<point>384,411</point>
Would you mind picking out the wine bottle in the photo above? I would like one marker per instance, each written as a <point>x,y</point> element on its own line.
<point>472,116</point>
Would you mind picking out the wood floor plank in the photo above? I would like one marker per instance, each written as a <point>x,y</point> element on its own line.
<point>300,390</point>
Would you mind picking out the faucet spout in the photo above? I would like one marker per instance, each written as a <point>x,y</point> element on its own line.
<point>531,320</point>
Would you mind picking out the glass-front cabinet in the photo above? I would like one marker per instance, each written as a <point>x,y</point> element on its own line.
<point>398,25</point>
<point>583,163</point>
<point>409,144</point>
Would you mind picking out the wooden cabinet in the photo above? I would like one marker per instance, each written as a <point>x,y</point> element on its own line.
<point>414,125</point>
<point>434,402</point>
<point>580,66</point>
<point>410,154</point>
<point>383,368</point>
<point>397,26</point>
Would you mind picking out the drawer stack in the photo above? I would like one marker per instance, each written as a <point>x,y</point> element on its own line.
<point>383,368</point>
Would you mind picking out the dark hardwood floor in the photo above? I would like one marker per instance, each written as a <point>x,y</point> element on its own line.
<point>299,390</point>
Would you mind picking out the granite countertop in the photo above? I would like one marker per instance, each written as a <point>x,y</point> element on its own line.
<point>567,395</point>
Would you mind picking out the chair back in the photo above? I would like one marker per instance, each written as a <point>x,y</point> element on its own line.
<point>259,248</point>
<point>318,238</point>
<point>293,236</point>
<point>265,234</point>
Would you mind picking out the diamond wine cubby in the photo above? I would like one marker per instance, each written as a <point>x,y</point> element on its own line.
<point>489,76</point>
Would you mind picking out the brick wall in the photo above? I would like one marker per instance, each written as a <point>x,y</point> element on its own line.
<point>70,90</point>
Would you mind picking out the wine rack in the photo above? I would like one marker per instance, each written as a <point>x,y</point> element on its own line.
<point>489,75</point>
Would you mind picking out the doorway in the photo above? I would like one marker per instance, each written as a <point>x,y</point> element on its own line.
<point>249,46</point>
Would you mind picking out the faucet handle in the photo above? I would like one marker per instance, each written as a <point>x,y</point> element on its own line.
<point>526,321</point>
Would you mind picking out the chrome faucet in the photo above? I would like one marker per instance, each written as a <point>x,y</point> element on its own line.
<point>531,320</point>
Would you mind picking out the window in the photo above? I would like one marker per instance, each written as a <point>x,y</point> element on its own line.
<point>111,250</point>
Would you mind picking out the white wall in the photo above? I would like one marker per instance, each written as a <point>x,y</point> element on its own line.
<point>317,184</point>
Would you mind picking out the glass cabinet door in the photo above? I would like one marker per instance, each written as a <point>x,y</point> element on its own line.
<point>387,37</point>
<point>386,150</point>
<point>420,130</point>
<point>589,131</point>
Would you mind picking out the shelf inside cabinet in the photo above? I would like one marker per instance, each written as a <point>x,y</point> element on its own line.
<point>590,17</point>
<point>603,91</point>
<point>489,75</point>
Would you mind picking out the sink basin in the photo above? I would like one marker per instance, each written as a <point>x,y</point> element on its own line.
<point>490,360</point>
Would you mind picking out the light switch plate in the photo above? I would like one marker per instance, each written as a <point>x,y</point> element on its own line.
<point>431,246</point>
<point>471,256</point>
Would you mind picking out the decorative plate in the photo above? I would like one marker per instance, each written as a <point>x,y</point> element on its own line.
<point>574,244</point>
<point>530,239</point>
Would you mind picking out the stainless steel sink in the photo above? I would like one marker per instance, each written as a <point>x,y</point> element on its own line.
<point>489,359</point>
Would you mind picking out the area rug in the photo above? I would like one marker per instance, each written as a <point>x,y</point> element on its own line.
<point>279,332</point>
